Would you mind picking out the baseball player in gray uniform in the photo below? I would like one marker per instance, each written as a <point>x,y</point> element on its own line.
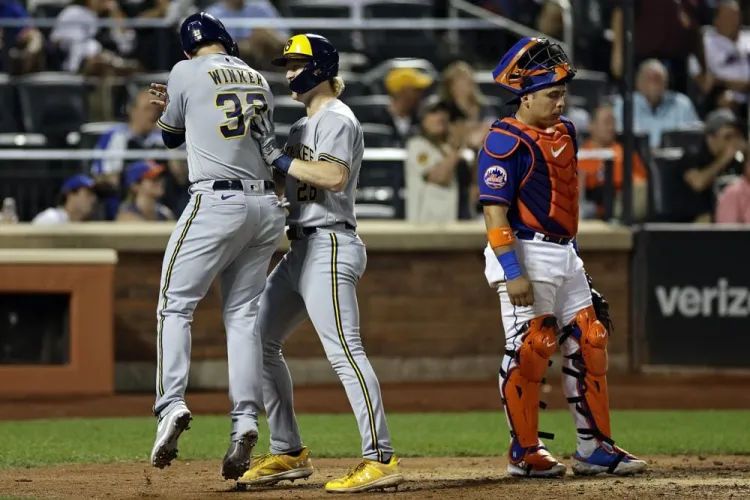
<point>230,229</point>
<point>317,278</point>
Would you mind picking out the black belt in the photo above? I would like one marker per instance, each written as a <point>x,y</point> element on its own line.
<point>299,232</point>
<point>236,185</point>
<point>530,235</point>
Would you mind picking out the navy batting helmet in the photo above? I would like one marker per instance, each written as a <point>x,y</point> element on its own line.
<point>201,28</point>
<point>321,57</point>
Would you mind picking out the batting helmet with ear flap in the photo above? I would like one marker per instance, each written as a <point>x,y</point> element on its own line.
<point>531,65</point>
<point>201,28</point>
<point>319,55</point>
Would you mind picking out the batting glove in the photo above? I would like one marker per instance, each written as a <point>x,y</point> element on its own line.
<point>262,130</point>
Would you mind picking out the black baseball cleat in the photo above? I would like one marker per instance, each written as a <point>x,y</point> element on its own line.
<point>239,455</point>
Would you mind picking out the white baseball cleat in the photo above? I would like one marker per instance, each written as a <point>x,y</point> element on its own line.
<point>168,431</point>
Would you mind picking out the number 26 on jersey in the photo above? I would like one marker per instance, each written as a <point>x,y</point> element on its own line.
<point>237,114</point>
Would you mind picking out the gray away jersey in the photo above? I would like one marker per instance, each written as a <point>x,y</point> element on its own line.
<point>334,135</point>
<point>211,100</point>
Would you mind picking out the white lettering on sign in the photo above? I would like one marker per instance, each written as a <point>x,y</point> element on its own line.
<point>722,300</point>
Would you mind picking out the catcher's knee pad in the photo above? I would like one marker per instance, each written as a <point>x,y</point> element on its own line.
<point>589,367</point>
<point>521,387</point>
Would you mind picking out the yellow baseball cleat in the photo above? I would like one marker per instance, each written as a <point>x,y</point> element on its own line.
<point>268,469</point>
<point>368,475</point>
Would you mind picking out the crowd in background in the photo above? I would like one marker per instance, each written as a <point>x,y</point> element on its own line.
<point>693,70</point>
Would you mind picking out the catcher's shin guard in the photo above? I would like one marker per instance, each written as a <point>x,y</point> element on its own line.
<point>584,344</point>
<point>521,382</point>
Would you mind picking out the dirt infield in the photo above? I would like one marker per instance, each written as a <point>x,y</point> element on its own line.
<point>459,478</point>
<point>626,393</point>
<point>462,478</point>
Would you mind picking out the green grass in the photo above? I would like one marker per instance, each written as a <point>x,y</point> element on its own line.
<point>35,443</point>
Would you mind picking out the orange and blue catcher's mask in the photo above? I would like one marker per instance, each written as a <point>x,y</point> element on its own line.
<point>533,64</point>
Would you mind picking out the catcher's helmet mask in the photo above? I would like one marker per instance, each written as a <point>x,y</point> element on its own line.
<point>320,59</point>
<point>531,65</point>
<point>201,29</point>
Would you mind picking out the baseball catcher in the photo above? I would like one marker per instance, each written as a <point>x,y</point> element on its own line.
<point>529,191</point>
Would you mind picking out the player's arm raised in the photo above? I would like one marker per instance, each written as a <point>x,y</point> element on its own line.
<point>330,173</point>
<point>171,101</point>
<point>498,179</point>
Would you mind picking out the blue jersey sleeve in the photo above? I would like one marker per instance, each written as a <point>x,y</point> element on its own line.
<point>498,169</point>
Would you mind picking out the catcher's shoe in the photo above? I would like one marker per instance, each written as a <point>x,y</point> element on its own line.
<point>533,462</point>
<point>368,475</point>
<point>609,459</point>
<point>239,455</point>
<point>168,431</point>
<point>268,469</point>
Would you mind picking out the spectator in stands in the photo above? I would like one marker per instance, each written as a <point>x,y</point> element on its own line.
<point>656,109</point>
<point>406,87</point>
<point>725,81</point>
<point>257,45</point>
<point>470,116</point>
<point>75,35</point>
<point>24,44</point>
<point>166,39</point>
<point>603,136</point>
<point>76,204</point>
<point>145,186</point>
<point>550,19</point>
<point>470,111</point>
<point>140,132</point>
<point>717,164</point>
<point>734,202</point>
<point>430,168</point>
<point>667,30</point>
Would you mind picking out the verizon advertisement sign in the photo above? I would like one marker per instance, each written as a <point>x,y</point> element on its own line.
<point>691,296</point>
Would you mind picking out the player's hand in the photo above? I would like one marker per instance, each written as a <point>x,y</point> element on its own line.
<point>262,130</point>
<point>520,292</point>
<point>159,93</point>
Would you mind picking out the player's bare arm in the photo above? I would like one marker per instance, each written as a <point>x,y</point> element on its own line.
<point>500,237</point>
<point>324,174</point>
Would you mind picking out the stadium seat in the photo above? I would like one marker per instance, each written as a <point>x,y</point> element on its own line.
<point>691,140</point>
<point>52,104</point>
<point>287,110</point>
<point>381,45</point>
<point>354,85</point>
<point>370,108</point>
<point>341,39</point>
<point>673,200</point>
<point>32,183</point>
<point>277,82</point>
<point>379,135</point>
<point>380,190</point>
<point>589,85</point>
<point>8,111</point>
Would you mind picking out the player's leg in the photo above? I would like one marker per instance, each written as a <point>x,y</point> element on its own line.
<point>334,264</point>
<point>530,341</point>
<point>242,283</point>
<point>281,312</point>
<point>584,379</point>
<point>193,257</point>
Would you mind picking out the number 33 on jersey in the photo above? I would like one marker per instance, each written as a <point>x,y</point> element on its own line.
<point>221,89</point>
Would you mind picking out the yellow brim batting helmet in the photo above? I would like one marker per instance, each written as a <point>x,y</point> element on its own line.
<point>320,56</point>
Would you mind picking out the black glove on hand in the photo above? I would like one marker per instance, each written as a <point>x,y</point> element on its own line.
<point>601,306</point>
<point>262,130</point>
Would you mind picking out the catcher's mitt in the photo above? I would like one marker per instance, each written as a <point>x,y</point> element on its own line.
<point>601,306</point>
